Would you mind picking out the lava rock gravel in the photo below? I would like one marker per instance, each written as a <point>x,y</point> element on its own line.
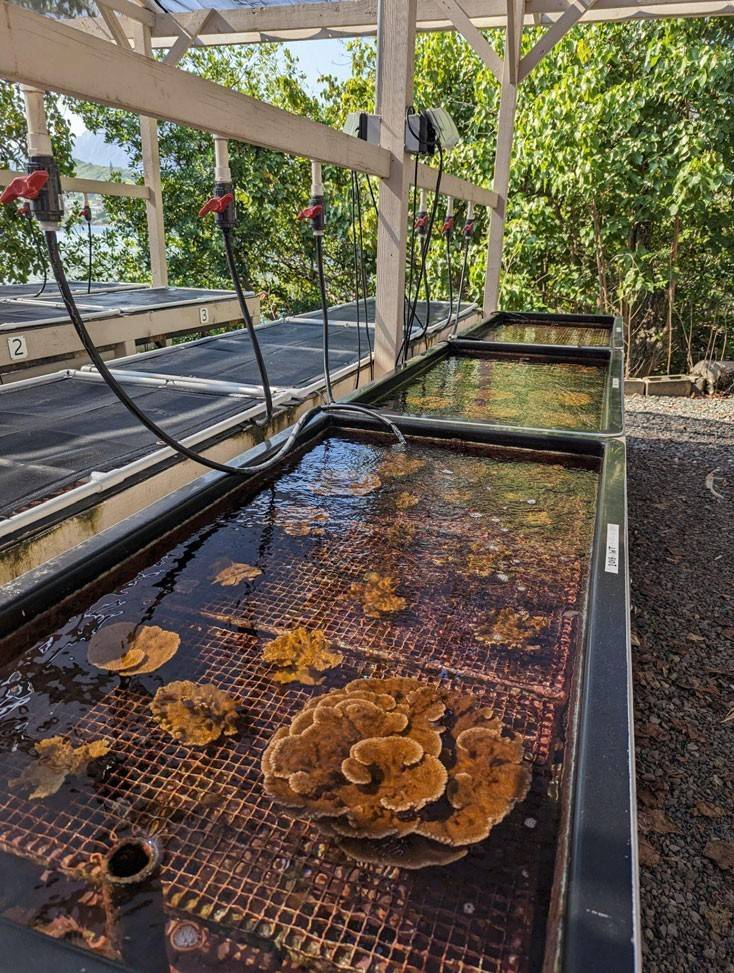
<point>681,528</point>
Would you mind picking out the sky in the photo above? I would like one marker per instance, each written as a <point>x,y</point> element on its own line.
<point>315,58</point>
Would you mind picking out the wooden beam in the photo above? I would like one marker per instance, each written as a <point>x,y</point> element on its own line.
<point>501,183</point>
<point>357,18</point>
<point>575,11</point>
<point>514,39</point>
<point>395,64</point>
<point>185,41</point>
<point>47,54</point>
<point>476,39</point>
<point>132,11</point>
<point>113,24</point>
<point>456,187</point>
<point>70,184</point>
<point>152,175</point>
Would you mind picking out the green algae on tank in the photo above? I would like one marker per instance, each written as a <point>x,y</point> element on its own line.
<point>533,394</point>
<point>530,332</point>
<point>484,581</point>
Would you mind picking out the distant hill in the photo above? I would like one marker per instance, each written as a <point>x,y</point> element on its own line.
<point>93,149</point>
<point>89,170</point>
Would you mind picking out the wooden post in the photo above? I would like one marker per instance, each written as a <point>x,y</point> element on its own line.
<point>152,175</point>
<point>505,133</point>
<point>395,63</point>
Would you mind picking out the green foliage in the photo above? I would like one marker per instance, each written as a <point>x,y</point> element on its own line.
<point>621,185</point>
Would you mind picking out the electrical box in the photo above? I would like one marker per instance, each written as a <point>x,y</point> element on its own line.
<point>427,129</point>
<point>362,125</point>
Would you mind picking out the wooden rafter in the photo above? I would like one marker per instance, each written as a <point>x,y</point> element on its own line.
<point>458,17</point>
<point>113,24</point>
<point>574,12</point>
<point>188,39</point>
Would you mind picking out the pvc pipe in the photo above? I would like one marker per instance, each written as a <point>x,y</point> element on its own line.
<point>469,211</point>
<point>38,140</point>
<point>317,182</point>
<point>222,172</point>
<point>449,207</point>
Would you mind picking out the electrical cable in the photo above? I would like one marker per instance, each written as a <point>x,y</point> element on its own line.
<point>449,274</point>
<point>247,317</point>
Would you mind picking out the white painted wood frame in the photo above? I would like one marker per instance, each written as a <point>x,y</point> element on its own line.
<point>395,64</point>
<point>458,17</point>
<point>152,176</point>
<point>505,133</point>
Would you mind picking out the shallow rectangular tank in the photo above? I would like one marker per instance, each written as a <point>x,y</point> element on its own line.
<point>465,597</point>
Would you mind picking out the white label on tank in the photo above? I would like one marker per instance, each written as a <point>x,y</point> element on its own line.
<point>204,315</point>
<point>615,383</point>
<point>17,347</point>
<point>612,564</point>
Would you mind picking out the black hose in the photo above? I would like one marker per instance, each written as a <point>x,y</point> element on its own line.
<point>364,275</point>
<point>89,259</point>
<point>42,258</point>
<point>52,245</point>
<point>461,284</point>
<point>449,275</point>
<point>227,235</point>
<point>355,261</point>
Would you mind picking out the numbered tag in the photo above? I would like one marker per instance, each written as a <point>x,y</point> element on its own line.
<point>615,383</point>
<point>17,347</point>
<point>204,315</point>
<point>612,562</point>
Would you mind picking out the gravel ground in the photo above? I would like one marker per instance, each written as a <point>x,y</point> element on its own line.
<point>682,579</point>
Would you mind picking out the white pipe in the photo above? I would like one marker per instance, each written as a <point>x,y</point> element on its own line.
<point>317,182</point>
<point>222,172</point>
<point>422,207</point>
<point>449,207</point>
<point>469,211</point>
<point>37,138</point>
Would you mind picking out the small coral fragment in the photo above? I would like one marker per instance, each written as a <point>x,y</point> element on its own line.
<point>195,713</point>
<point>377,595</point>
<point>334,484</point>
<point>300,521</point>
<point>301,656</point>
<point>57,760</point>
<point>406,500</point>
<point>397,771</point>
<point>514,628</point>
<point>132,650</point>
<point>235,574</point>
<point>398,465</point>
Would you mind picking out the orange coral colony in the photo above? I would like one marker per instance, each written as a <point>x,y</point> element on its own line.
<point>132,650</point>
<point>334,484</point>
<point>377,595</point>
<point>401,464</point>
<point>398,771</point>
<point>301,656</point>
<point>195,713</point>
<point>57,760</point>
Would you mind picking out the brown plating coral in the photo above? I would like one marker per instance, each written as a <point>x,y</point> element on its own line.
<point>575,398</point>
<point>399,465</point>
<point>57,760</point>
<point>235,573</point>
<point>377,595</point>
<point>301,656</point>
<point>398,771</point>
<point>514,628</point>
<point>132,650</point>
<point>195,713</point>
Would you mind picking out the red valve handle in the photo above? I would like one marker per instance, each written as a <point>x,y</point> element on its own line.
<point>448,225</point>
<point>310,212</point>
<point>421,222</point>
<point>469,228</point>
<point>217,204</point>
<point>87,213</point>
<point>25,187</point>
